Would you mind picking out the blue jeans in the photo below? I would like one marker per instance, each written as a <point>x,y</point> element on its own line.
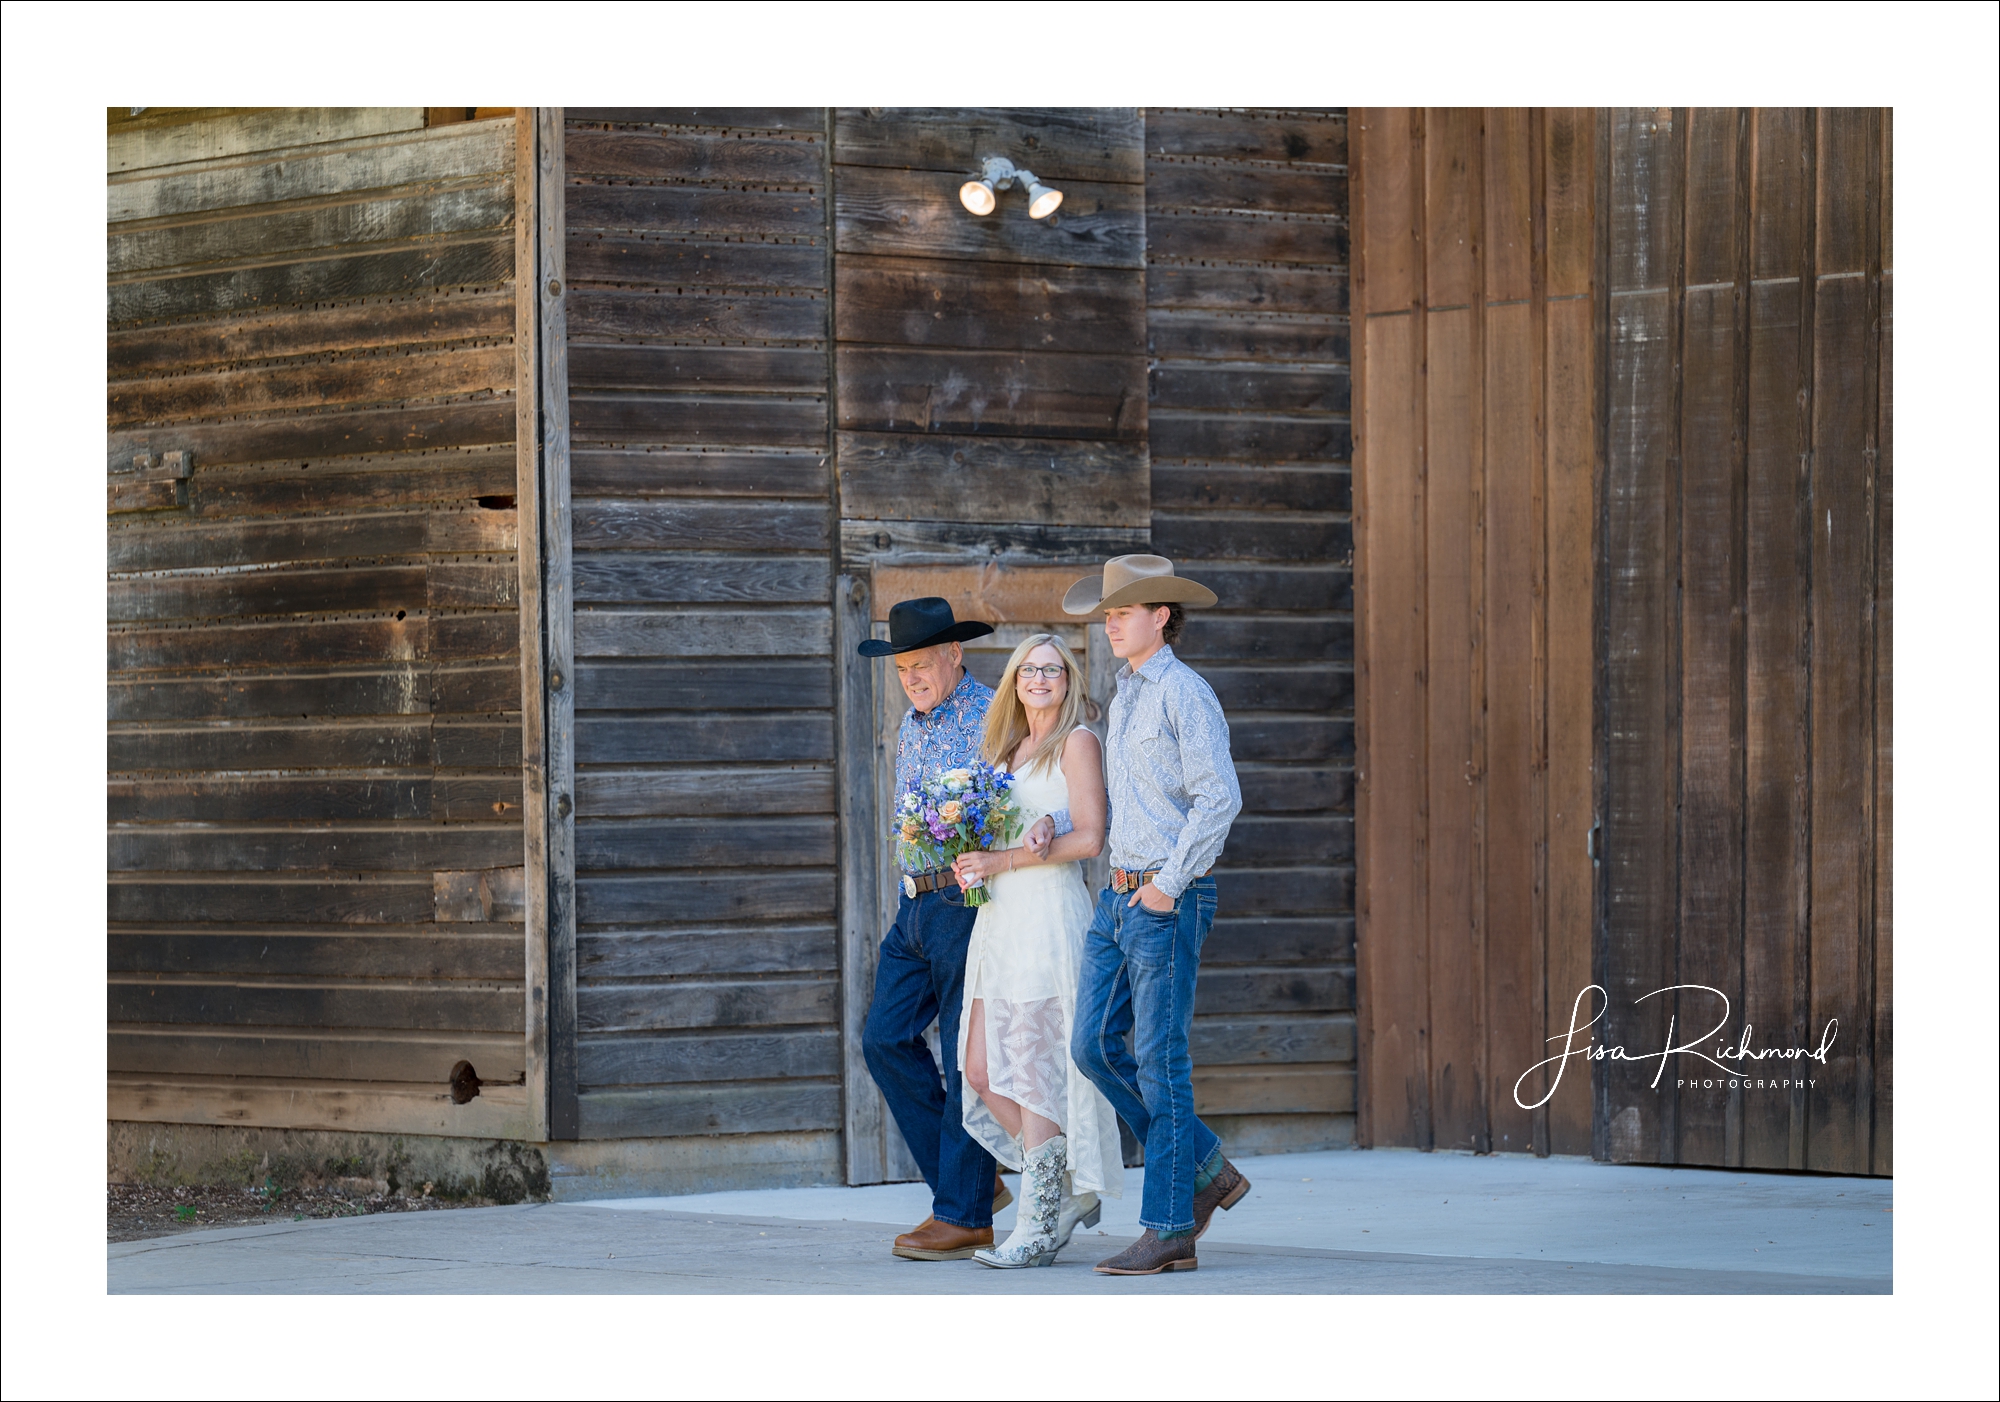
<point>1137,980</point>
<point>919,976</point>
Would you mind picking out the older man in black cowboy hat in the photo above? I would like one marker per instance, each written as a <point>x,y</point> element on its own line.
<point>921,972</point>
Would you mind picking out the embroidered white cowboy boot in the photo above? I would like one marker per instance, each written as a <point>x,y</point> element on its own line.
<point>1033,1242</point>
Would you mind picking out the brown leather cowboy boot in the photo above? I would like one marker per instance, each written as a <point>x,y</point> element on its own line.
<point>932,1240</point>
<point>1150,1256</point>
<point>1224,1190</point>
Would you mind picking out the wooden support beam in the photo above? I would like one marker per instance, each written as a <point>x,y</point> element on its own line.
<point>548,672</point>
<point>558,608</point>
<point>865,1118</point>
<point>528,561</point>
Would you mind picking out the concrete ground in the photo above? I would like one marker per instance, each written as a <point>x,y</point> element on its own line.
<point>1378,1222</point>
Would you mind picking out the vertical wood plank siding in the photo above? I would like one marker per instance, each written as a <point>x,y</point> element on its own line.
<point>315,844</point>
<point>1248,405</point>
<point>1883,1123</point>
<point>1473,537</point>
<point>1747,592</point>
<point>1635,951</point>
<point>697,284</point>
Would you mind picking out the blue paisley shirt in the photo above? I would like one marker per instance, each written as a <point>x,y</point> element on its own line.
<point>945,737</point>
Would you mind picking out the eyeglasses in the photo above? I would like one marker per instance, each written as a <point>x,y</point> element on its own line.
<point>1027,671</point>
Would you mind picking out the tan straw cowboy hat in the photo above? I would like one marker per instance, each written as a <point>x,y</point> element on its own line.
<point>1136,579</point>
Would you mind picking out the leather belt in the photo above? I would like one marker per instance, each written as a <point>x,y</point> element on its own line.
<point>917,883</point>
<point>1127,881</point>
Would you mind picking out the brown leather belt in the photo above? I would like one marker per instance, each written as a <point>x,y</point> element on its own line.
<point>917,883</point>
<point>1124,881</point>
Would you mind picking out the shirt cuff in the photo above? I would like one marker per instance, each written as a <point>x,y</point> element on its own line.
<point>1064,826</point>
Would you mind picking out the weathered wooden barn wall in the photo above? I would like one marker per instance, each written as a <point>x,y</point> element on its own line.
<point>1745,627</point>
<point>706,991</point>
<point>1474,283</point>
<point>315,843</point>
<point>1247,345</point>
<point>1621,432</point>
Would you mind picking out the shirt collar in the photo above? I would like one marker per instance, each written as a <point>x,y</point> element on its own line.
<point>959,695</point>
<point>1155,668</point>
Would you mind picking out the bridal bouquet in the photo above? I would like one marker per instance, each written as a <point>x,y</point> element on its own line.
<point>961,810</point>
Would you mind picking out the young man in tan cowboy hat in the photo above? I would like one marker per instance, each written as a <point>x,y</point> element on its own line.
<point>1173,795</point>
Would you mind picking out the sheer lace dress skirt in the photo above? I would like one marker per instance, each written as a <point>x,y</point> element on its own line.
<point>1027,1054</point>
<point>1022,963</point>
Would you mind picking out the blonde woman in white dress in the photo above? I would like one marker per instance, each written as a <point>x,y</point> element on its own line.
<point>1025,1102</point>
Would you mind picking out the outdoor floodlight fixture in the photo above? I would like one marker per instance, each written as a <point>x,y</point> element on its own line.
<point>999,173</point>
<point>1042,201</point>
<point>977,194</point>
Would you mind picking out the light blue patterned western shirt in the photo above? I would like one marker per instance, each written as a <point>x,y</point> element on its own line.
<point>1172,785</point>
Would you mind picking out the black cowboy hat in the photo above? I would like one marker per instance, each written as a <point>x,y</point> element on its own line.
<point>920,623</point>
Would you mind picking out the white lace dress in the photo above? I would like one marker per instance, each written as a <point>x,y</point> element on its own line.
<point>1026,944</point>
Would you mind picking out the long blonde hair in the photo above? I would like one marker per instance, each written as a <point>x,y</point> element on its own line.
<point>1007,718</point>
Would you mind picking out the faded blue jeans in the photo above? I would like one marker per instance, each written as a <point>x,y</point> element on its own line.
<point>921,975</point>
<point>1137,980</point>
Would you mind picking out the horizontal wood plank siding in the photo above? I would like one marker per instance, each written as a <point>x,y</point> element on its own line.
<point>1248,418</point>
<point>316,848</point>
<point>990,369</point>
<point>698,277</point>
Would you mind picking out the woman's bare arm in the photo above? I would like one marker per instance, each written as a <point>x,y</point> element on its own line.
<point>1083,771</point>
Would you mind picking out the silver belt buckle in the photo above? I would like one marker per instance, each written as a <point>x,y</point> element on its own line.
<point>909,885</point>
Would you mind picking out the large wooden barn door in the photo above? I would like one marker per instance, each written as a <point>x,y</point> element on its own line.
<point>1720,821</point>
<point>1474,290</point>
<point>1745,632</point>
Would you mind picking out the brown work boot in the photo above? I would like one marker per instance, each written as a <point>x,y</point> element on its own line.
<point>1149,1256</point>
<point>1224,1190</point>
<point>1002,1195</point>
<point>932,1240</point>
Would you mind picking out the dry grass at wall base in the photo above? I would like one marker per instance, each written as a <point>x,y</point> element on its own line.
<point>164,1179</point>
<point>136,1211</point>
